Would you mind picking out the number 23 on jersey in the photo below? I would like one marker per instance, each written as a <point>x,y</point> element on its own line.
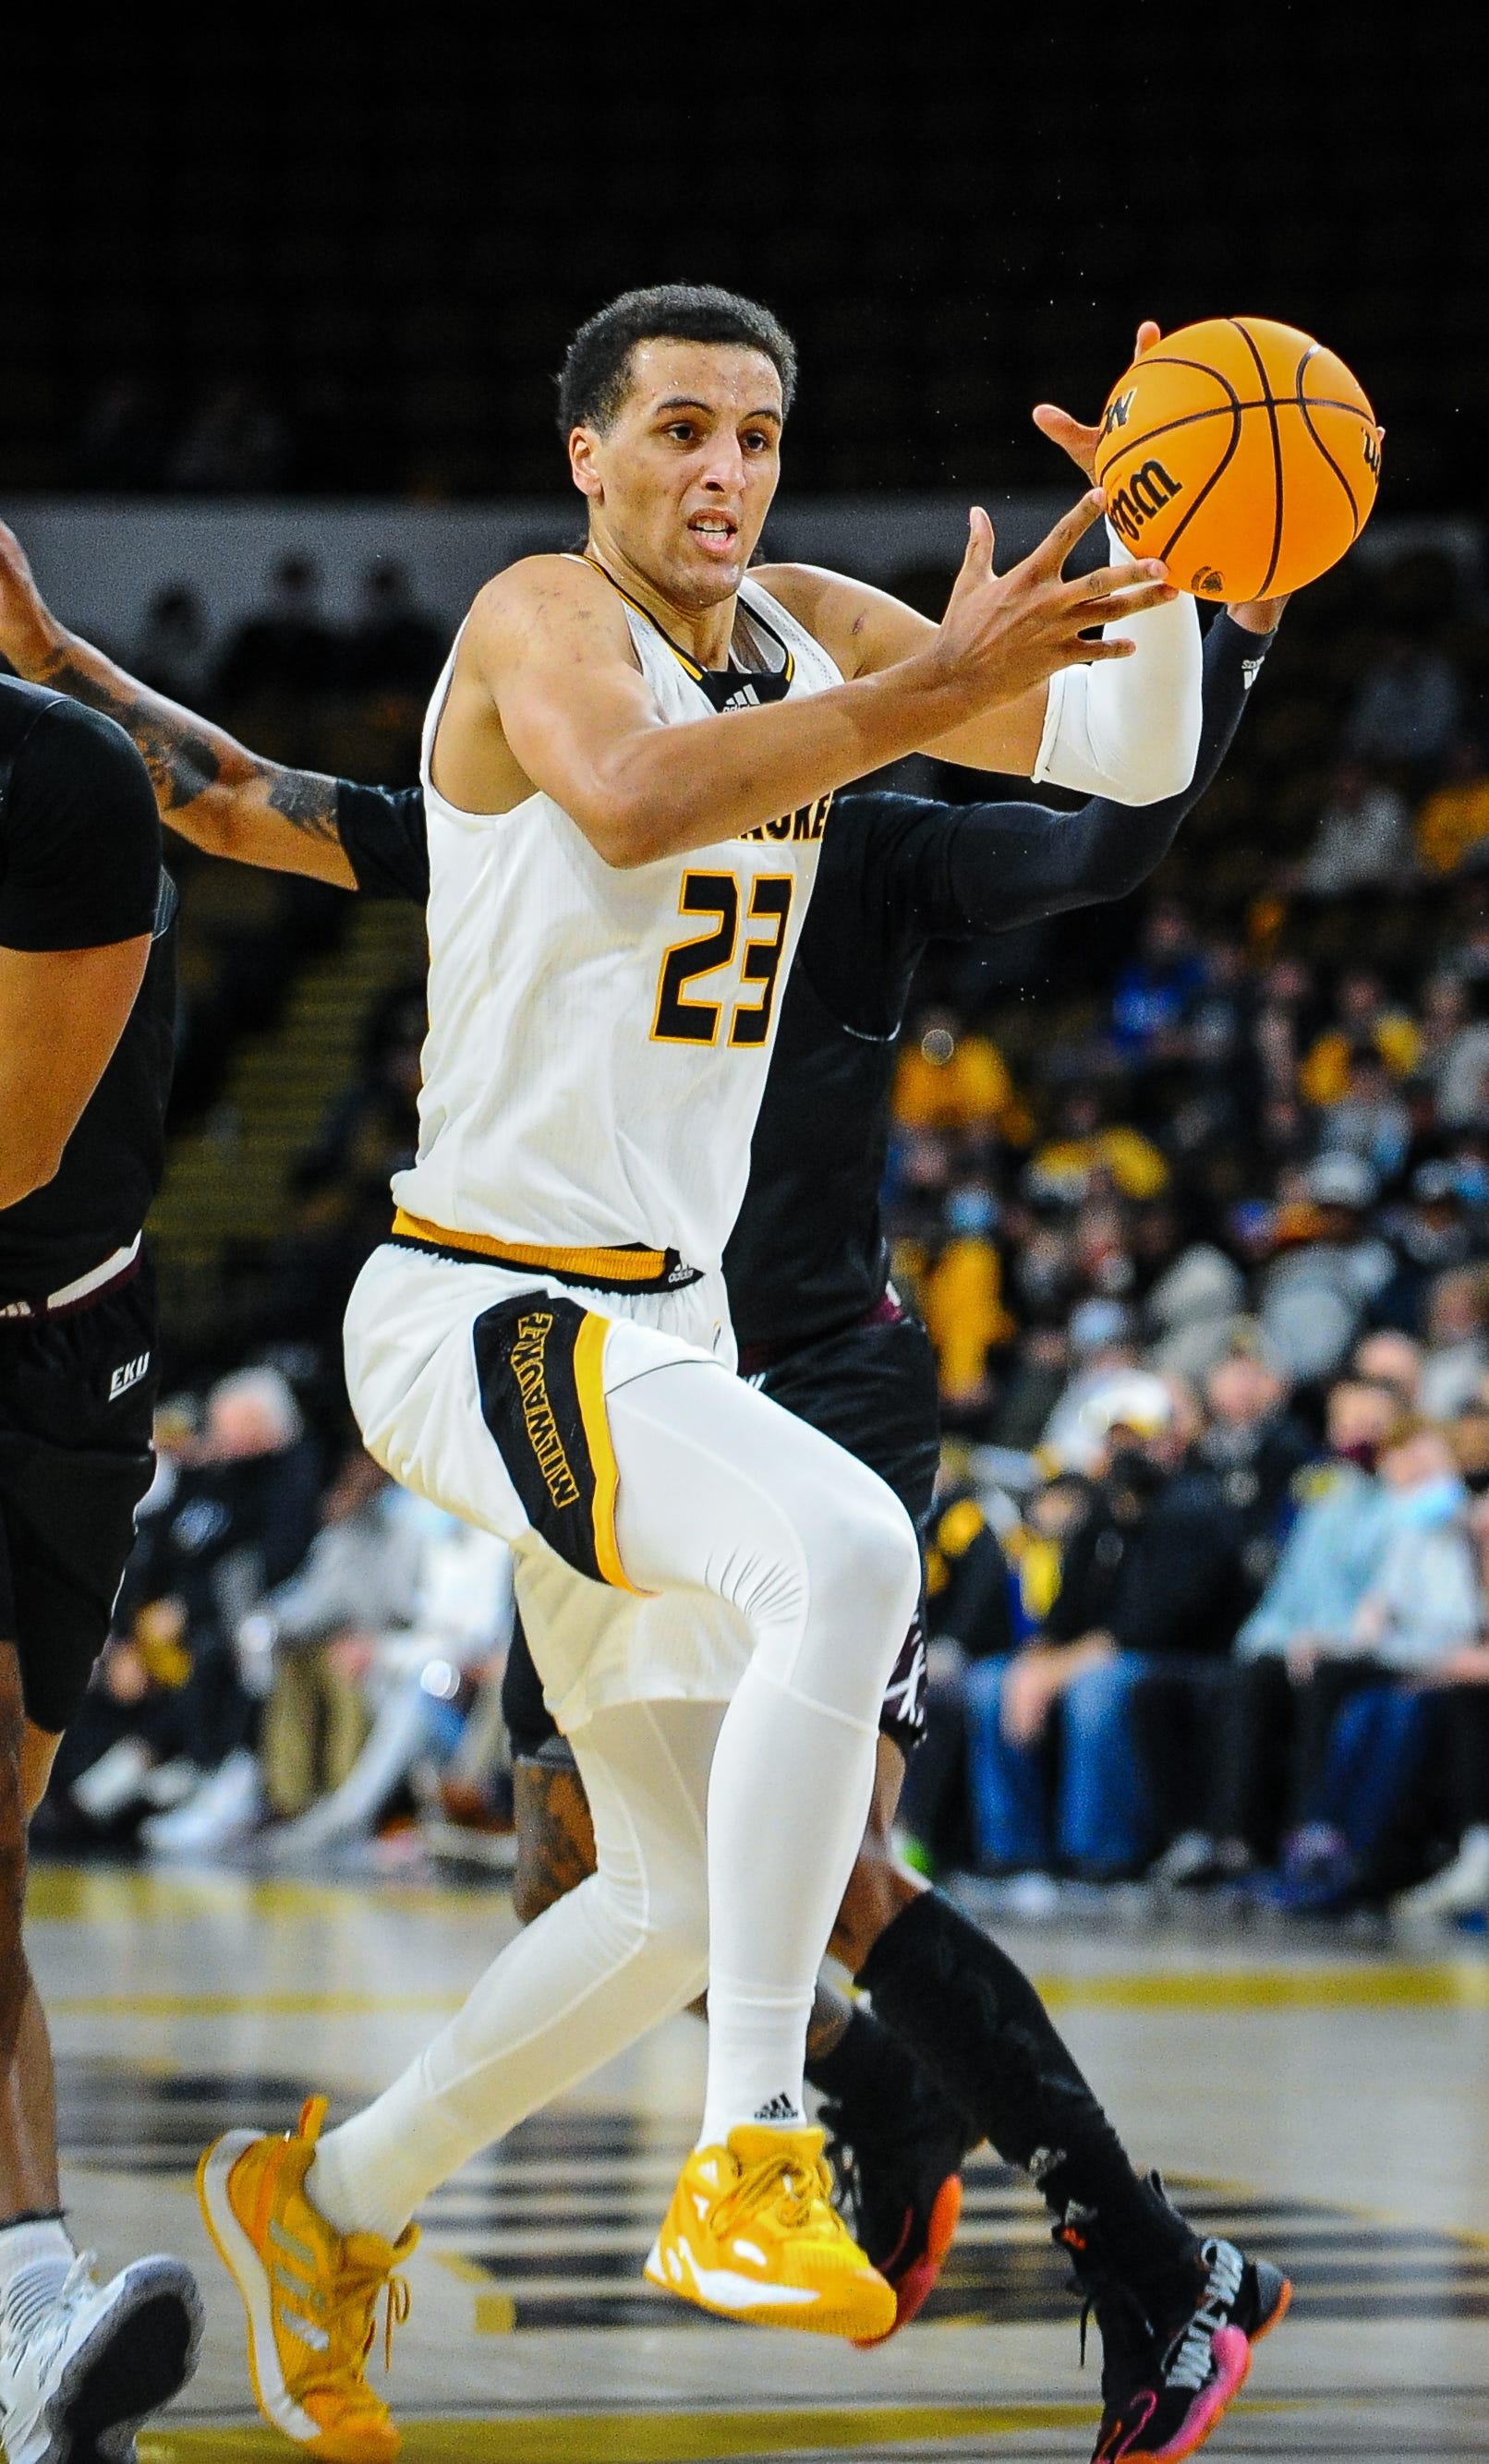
<point>681,1017</point>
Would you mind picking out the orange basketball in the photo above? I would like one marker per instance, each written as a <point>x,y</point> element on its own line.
<point>1243,453</point>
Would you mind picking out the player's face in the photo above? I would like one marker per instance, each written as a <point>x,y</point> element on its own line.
<point>681,481</point>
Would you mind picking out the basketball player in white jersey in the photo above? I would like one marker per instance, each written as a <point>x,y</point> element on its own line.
<point>628,766</point>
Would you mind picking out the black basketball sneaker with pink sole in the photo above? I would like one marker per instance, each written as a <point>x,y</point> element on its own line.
<point>1173,2358</point>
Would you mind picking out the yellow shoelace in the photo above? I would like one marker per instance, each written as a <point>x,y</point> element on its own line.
<point>803,2188</point>
<point>351,2317</point>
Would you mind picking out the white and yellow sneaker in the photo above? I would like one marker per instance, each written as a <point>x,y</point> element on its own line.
<point>752,2233</point>
<point>310,2291</point>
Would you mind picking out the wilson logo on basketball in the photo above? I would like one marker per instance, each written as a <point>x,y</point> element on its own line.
<point>1117,412</point>
<point>1372,454</point>
<point>1141,497</point>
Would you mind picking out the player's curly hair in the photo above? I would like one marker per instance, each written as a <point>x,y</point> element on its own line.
<point>596,373</point>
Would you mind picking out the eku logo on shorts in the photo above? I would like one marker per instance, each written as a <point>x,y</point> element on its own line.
<point>128,1374</point>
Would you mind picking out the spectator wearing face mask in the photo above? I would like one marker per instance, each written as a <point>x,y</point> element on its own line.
<point>1420,1614</point>
<point>962,1297</point>
<point>1152,1570</point>
<point>1261,1724</point>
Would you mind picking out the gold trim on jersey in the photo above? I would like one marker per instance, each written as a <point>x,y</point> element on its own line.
<point>639,1270</point>
<point>590,1385</point>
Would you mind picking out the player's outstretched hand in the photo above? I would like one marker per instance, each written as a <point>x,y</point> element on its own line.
<point>29,631</point>
<point>1070,434</point>
<point>1016,629</point>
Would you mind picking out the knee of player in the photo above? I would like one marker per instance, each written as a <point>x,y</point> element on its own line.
<point>869,1546</point>
<point>677,1918</point>
<point>662,1922</point>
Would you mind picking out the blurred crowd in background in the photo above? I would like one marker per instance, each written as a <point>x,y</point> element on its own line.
<point>1193,1197</point>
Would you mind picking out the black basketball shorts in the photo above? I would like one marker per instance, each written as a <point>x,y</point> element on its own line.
<point>77,1400</point>
<point>872,1388</point>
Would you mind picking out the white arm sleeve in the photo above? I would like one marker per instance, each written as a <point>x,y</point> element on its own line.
<point>1129,728</point>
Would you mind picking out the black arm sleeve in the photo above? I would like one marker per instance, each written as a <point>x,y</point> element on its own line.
<point>80,835</point>
<point>955,871</point>
<point>382,833</point>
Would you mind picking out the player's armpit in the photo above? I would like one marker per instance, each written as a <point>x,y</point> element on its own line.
<point>62,1014</point>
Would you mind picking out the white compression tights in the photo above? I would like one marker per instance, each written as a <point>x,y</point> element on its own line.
<point>719,1492</point>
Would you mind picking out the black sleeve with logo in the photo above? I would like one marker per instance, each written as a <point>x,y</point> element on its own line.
<point>80,867</point>
<point>808,1253</point>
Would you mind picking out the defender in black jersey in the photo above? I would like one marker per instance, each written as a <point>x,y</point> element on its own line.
<point>86,1017</point>
<point>960,2047</point>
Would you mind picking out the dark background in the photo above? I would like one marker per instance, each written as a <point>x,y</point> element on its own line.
<point>370,239</point>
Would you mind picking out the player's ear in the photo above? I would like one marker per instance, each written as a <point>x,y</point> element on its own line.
<point>582,467</point>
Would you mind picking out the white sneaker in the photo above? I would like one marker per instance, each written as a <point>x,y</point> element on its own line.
<point>225,1808</point>
<point>1460,1889</point>
<point>97,2363</point>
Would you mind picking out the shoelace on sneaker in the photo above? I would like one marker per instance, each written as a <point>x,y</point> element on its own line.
<point>803,2188</point>
<point>1103,2296</point>
<point>351,2319</point>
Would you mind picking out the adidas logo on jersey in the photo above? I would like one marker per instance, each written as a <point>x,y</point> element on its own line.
<point>128,1374</point>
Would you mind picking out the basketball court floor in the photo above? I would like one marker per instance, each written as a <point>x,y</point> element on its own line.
<point>1327,2101</point>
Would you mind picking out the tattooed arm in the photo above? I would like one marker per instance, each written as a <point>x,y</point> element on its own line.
<point>208,787</point>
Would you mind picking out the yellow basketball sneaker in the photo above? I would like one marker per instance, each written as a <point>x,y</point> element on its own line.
<point>310,2291</point>
<point>752,2233</point>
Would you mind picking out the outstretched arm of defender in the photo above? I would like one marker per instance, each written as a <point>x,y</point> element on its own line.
<point>548,675</point>
<point>208,787</point>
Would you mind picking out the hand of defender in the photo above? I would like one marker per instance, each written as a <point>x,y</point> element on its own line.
<point>1070,434</point>
<point>1253,616</point>
<point>29,631</point>
<point>1025,623</point>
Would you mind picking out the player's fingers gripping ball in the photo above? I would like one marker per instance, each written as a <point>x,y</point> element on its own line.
<point>1242,452</point>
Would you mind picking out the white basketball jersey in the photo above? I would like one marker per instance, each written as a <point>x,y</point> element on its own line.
<point>599,1038</point>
